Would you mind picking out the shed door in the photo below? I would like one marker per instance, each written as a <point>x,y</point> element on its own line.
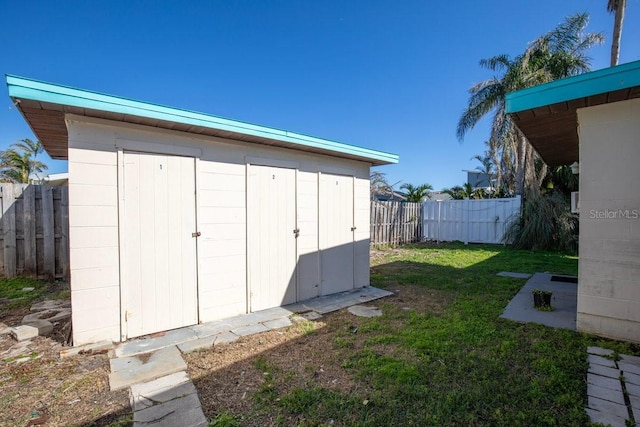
<point>271,237</point>
<point>336,233</point>
<point>160,282</point>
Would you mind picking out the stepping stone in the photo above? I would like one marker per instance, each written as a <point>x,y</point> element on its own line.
<point>633,390</point>
<point>282,322</point>
<point>599,351</point>
<point>195,345</point>
<point>24,332</point>
<point>514,275</point>
<point>250,330</point>
<point>44,327</point>
<point>161,390</point>
<point>604,371</point>
<point>628,368</point>
<point>364,311</point>
<point>606,419</point>
<point>634,360</point>
<point>225,338</point>
<point>630,378</point>
<point>126,371</point>
<point>611,408</point>
<point>605,382</point>
<point>599,360</point>
<point>184,412</point>
<point>605,394</point>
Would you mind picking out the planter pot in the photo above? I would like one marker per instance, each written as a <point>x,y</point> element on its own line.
<point>541,300</point>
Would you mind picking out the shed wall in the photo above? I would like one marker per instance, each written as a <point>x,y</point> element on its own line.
<point>95,147</point>
<point>609,265</point>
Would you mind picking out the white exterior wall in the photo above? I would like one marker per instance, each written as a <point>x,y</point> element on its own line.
<point>221,166</point>
<point>609,264</point>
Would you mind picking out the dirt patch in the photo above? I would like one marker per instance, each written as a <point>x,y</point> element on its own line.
<point>233,377</point>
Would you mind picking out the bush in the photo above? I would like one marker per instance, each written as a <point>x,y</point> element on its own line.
<point>545,223</point>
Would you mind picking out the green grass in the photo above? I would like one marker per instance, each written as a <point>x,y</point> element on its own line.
<point>456,363</point>
<point>12,290</point>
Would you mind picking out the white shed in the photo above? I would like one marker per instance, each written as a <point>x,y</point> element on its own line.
<point>178,218</point>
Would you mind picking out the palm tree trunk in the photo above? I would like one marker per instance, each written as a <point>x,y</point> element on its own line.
<point>617,31</point>
<point>521,160</point>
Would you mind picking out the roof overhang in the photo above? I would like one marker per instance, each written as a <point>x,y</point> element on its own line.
<point>546,114</point>
<point>45,105</point>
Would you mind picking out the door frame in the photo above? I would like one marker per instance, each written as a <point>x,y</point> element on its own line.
<point>122,146</point>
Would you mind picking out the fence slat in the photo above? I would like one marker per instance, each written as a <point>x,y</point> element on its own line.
<point>9,230</point>
<point>29,220</point>
<point>48,234</point>
<point>64,238</point>
<point>394,223</point>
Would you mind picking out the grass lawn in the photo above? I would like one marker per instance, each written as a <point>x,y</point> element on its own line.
<point>439,356</point>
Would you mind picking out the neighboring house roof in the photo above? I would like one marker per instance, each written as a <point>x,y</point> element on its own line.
<point>390,197</point>
<point>546,114</point>
<point>44,106</point>
<point>57,179</point>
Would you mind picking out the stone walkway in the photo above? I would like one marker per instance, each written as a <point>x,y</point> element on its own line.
<point>613,388</point>
<point>161,392</point>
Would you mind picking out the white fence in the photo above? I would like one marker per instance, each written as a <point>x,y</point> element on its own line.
<point>469,221</point>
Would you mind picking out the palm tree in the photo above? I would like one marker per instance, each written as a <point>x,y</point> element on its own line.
<point>560,53</point>
<point>19,162</point>
<point>618,7</point>
<point>416,193</point>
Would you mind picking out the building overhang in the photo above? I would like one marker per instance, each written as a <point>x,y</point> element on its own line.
<point>546,114</point>
<point>44,106</point>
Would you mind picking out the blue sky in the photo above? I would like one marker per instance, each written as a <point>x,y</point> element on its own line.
<point>387,75</point>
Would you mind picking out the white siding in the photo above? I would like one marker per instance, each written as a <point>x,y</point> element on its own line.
<point>609,264</point>
<point>221,174</point>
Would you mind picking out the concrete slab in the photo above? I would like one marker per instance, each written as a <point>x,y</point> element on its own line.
<point>184,411</point>
<point>599,351</point>
<point>634,360</point>
<point>225,338</point>
<point>599,360</point>
<point>606,419</point>
<point>160,390</point>
<point>198,344</point>
<point>564,303</point>
<point>44,327</point>
<point>4,329</point>
<point>249,330</point>
<point>611,408</point>
<point>628,368</point>
<point>633,390</point>
<point>24,332</point>
<point>604,371</point>
<point>126,371</point>
<point>514,275</point>
<point>364,311</point>
<point>630,378</point>
<point>145,345</point>
<point>282,322</point>
<point>605,394</point>
<point>605,382</point>
<point>329,303</point>
<point>93,348</point>
<point>210,329</point>
<point>311,315</point>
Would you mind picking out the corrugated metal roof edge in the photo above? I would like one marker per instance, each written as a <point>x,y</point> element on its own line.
<point>20,87</point>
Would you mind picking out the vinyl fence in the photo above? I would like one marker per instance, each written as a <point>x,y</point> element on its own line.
<point>35,231</point>
<point>394,223</point>
<point>469,221</point>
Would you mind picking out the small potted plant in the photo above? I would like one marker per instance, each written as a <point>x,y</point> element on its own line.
<point>542,300</point>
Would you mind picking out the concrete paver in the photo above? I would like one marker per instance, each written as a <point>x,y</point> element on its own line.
<point>169,338</point>
<point>634,360</point>
<point>282,322</point>
<point>604,371</point>
<point>629,368</point>
<point>599,351</point>
<point>630,378</point>
<point>514,275</point>
<point>633,390</point>
<point>605,394</point>
<point>599,360</point>
<point>126,371</point>
<point>606,418</point>
<point>564,303</point>
<point>225,338</point>
<point>183,411</point>
<point>364,311</point>
<point>250,330</point>
<point>609,407</point>
<point>195,345</point>
<point>600,381</point>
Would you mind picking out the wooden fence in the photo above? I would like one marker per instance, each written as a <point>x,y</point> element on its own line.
<point>35,231</point>
<point>395,223</point>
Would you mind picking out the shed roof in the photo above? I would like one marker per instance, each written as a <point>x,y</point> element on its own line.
<point>44,106</point>
<point>546,114</point>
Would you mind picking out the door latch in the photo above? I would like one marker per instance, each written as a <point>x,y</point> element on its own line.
<point>353,228</point>
<point>296,231</point>
<point>196,234</point>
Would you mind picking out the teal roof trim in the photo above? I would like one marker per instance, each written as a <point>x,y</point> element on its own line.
<point>23,88</point>
<point>596,82</point>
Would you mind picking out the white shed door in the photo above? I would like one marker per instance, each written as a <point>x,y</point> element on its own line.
<point>336,233</point>
<point>160,282</point>
<point>271,237</point>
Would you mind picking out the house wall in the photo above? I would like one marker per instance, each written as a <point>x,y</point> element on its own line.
<point>95,147</point>
<point>609,264</point>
